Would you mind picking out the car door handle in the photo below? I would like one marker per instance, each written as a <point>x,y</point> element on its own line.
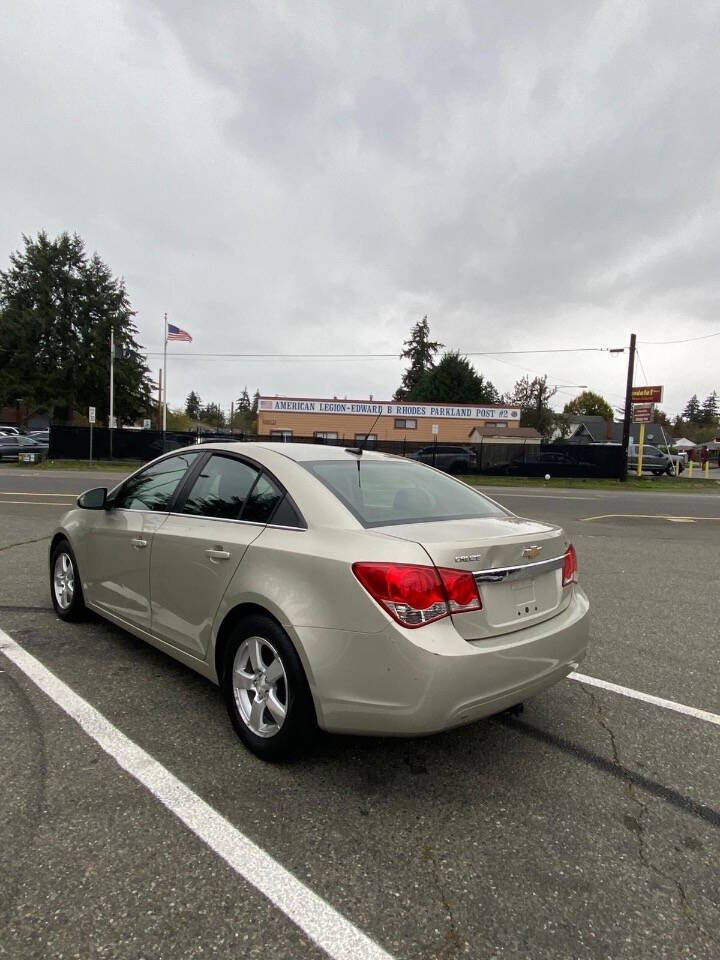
<point>216,554</point>
<point>139,543</point>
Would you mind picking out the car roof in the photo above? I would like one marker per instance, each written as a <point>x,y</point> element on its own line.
<point>296,451</point>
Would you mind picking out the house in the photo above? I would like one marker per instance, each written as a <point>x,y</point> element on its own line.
<point>586,429</point>
<point>25,417</point>
<point>522,435</point>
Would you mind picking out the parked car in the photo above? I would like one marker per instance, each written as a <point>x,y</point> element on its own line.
<point>363,593</point>
<point>448,458</point>
<point>654,460</point>
<point>13,444</point>
<point>560,464</point>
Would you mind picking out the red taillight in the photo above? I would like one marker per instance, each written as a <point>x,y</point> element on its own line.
<point>570,567</point>
<point>415,595</point>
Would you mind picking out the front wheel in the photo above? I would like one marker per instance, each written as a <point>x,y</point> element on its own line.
<point>65,586</point>
<point>266,691</point>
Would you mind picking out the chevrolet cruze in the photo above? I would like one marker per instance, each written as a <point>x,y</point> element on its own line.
<point>349,589</point>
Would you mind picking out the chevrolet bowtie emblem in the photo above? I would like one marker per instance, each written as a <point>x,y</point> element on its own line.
<point>532,552</point>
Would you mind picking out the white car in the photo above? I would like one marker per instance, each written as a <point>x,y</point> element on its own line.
<point>357,591</point>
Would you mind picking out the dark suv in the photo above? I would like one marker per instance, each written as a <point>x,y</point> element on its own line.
<point>447,458</point>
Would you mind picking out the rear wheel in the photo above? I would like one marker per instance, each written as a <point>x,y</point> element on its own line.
<point>65,586</point>
<point>266,691</point>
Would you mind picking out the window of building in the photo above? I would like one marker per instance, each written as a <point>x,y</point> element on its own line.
<point>283,435</point>
<point>325,435</point>
<point>366,439</point>
<point>405,424</point>
<point>498,426</point>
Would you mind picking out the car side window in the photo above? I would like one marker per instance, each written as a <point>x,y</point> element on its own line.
<point>286,515</point>
<point>262,501</point>
<point>154,488</point>
<point>221,489</point>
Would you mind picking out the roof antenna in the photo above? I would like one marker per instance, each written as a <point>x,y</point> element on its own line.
<point>361,446</point>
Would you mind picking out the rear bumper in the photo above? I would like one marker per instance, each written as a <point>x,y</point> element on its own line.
<point>404,682</point>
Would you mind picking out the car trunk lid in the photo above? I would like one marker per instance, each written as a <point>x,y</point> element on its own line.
<point>517,565</point>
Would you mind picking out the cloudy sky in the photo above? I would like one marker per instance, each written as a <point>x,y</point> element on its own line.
<point>314,177</point>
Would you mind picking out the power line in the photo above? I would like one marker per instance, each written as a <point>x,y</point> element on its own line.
<point>651,343</point>
<point>366,356</point>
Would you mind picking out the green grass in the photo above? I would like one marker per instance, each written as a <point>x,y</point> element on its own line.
<point>104,466</point>
<point>647,484</point>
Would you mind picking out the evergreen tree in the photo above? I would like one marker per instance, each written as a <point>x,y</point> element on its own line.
<point>213,415</point>
<point>193,405</point>
<point>691,413</point>
<point>589,404</point>
<point>453,380</point>
<point>243,402</point>
<point>420,350</point>
<point>709,409</point>
<point>256,400</point>
<point>57,308</point>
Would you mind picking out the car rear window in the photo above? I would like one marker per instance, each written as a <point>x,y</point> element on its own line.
<point>380,492</point>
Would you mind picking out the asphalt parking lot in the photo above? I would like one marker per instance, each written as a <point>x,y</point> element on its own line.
<point>587,827</point>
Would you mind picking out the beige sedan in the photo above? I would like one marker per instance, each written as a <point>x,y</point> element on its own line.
<point>353,590</point>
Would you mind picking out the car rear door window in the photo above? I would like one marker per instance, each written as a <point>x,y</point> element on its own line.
<point>154,487</point>
<point>262,501</point>
<point>221,489</point>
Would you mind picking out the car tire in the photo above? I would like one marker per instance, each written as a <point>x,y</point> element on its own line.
<point>261,667</point>
<point>659,473</point>
<point>65,586</point>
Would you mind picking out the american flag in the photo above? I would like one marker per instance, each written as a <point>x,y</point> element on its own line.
<point>175,333</point>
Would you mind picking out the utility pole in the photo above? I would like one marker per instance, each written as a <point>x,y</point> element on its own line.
<point>160,399</point>
<point>164,415</point>
<point>112,387</point>
<point>628,408</point>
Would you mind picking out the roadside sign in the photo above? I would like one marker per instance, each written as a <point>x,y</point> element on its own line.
<point>647,394</point>
<point>436,429</point>
<point>113,423</point>
<point>146,424</point>
<point>642,412</point>
<point>91,415</point>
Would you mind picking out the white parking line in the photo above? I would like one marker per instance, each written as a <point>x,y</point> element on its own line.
<point>40,493</point>
<point>321,923</point>
<point>647,698</point>
<point>41,503</point>
<point>535,496</point>
<point>646,516</point>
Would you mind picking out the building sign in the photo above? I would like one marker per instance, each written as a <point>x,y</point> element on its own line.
<point>362,408</point>
<point>91,414</point>
<point>642,412</point>
<point>647,394</point>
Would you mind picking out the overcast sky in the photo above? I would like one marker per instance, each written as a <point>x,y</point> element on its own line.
<point>315,177</point>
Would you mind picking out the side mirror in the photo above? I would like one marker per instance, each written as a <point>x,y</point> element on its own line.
<point>95,499</point>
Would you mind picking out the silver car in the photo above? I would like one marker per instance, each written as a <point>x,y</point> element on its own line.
<point>355,591</point>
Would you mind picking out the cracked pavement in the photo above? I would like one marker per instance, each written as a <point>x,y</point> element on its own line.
<point>589,827</point>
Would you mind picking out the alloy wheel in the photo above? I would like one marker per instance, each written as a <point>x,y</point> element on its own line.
<point>64,581</point>
<point>260,686</point>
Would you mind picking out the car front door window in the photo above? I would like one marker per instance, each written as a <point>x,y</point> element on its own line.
<point>154,488</point>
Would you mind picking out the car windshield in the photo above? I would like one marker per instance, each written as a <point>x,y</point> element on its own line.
<point>381,492</point>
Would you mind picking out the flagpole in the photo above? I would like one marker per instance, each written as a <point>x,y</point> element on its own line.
<point>165,376</point>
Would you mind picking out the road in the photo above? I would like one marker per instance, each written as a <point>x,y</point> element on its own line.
<point>588,827</point>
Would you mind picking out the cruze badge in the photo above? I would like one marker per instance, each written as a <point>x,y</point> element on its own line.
<point>532,552</point>
<point>468,558</point>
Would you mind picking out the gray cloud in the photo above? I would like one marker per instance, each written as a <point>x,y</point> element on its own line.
<point>306,176</point>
